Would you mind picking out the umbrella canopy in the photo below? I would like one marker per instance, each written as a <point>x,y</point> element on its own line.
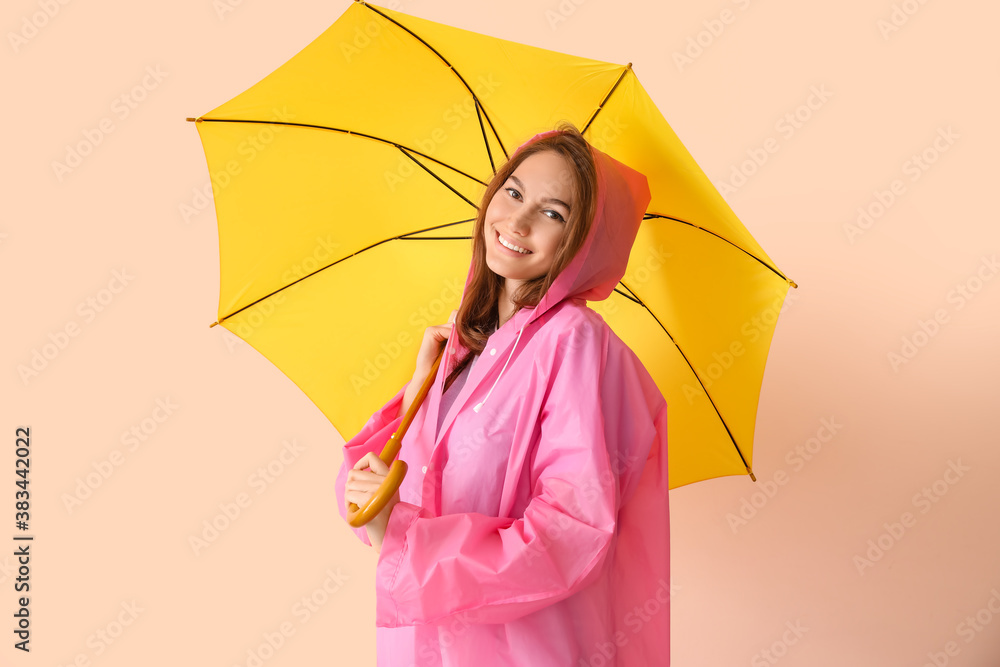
<point>346,185</point>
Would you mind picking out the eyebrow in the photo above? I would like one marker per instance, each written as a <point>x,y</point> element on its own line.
<point>551,199</point>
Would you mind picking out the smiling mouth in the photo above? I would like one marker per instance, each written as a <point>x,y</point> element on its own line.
<point>527,252</point>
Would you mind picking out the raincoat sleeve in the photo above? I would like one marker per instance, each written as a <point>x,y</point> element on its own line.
<point>372,438</point>
<point>486,569</point>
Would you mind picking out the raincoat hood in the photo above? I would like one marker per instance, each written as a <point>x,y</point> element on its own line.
<point>594,272</point>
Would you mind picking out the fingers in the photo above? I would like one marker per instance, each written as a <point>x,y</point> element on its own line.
<point>361,491</point>
<point>362,484</point>
<point>371,460</point>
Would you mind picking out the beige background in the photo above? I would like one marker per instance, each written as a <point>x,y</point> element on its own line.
<point>740,587</point>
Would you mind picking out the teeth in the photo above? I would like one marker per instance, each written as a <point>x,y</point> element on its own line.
<point>512,247</point>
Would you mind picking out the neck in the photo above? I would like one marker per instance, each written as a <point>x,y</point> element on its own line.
<point>505,306</point>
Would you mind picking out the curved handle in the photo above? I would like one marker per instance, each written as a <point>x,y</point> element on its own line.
<point>358,517</point>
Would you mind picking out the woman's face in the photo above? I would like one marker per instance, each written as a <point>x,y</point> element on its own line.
<point>529,211</point>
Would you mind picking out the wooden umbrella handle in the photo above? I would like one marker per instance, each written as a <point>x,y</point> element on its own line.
<point>358,517</point>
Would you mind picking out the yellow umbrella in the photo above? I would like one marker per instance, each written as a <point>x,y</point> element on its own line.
<point>346,184</point>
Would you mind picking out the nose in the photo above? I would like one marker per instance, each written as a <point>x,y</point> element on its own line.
<point>519,222</point>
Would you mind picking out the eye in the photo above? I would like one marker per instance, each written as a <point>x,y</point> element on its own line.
<point>558,217</point>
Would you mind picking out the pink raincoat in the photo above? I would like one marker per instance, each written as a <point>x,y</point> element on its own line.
<point>533,529</point>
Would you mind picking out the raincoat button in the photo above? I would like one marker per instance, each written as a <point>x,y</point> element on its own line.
<point>493,351</point>
<point>424,469</point>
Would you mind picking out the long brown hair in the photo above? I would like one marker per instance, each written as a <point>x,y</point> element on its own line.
<point>479,313</point>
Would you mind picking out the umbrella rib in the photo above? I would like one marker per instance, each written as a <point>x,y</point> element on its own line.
<point>441,180</point>
<point>639,301</point>
<point>401,237</point>
<point>460,78</point>
<point>628,68</point>
<point>353,133</point>
<point>648,216</point>
<point>486,142</point>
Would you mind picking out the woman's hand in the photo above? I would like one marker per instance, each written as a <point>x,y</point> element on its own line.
<point>430,347</point>
<point>361,486</point>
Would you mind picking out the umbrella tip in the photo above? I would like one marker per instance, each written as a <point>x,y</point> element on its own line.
<point>792,283</point>
<point>752,477</point>
<point>212,325</point>
<point>191,120</point>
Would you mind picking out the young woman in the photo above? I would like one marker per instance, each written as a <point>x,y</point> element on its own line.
<point>532,527</point>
